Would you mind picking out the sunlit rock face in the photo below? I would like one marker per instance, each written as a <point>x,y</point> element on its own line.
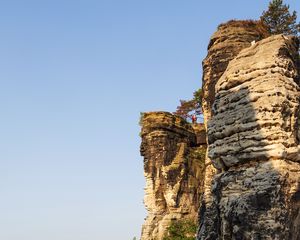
<point>173,154</point>
<point>256,109</point>
<point>253,141</point>
<point>224,45</point>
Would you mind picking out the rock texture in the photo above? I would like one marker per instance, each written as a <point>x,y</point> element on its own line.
<point>253,140</point>
<point>173,168</point>
<point>224,45</point>
<point>251,106</point>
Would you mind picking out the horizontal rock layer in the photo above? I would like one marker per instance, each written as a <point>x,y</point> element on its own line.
<point>256,111</point>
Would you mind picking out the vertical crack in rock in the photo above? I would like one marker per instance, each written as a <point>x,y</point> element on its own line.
<point>173,167</point>
<point>253,141</point>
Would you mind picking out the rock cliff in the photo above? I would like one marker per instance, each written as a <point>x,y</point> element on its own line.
<point>248,186</point>
<point>224,45</point>
<point>253,141</point>
<point>173,167</point>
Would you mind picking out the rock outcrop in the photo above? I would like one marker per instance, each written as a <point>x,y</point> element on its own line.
<point>224,45</point>
<point>173,168</point>
<point>253,141</point>
<point>251,106</point>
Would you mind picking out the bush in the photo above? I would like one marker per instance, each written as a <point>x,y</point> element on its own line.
<point>184,229</point>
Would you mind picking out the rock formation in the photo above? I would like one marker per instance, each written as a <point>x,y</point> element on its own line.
<point>173,166</point>
<point>251,106</point>
<point>253,141</point>
<point>224,45</point>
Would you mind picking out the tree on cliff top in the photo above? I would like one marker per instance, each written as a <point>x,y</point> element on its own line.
<point>189,107</point>
<point>279,20</point>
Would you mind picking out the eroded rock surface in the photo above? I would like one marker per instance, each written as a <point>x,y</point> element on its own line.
<point>173,168</point>
<point>253,138</point>
<point>224,45</point>
<point>257,105</point>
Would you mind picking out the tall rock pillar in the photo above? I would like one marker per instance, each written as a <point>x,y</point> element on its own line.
<point>173,168</point>
<point>224,45</point>
<point>253,141</point>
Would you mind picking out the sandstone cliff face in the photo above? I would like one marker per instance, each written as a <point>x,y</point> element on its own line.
<point>224,45</point>
<point>173,168</point>
<point>251,110</point>
<point>253,140</point>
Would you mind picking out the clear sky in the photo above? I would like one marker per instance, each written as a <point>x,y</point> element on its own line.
<point>75,76</point>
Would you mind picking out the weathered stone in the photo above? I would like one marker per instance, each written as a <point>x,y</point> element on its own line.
<point>173,168</point>
<point>256,111</point>
<point>258,200</point>
<point>251,111</point>
<point>224,45</point>
<point>200,133</point>
<point>253,138</point>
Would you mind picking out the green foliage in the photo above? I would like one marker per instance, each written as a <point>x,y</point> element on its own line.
<point>189,107</point>
<point>279,20</point>
<point>181,230</point>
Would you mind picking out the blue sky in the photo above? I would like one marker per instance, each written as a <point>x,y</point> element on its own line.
<point>75,76</point>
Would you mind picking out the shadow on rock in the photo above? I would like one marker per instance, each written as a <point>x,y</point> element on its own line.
<point>253,141</point>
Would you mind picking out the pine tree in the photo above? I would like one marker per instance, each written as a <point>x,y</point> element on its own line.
<point>189,107</point>
<point>279,20</point>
